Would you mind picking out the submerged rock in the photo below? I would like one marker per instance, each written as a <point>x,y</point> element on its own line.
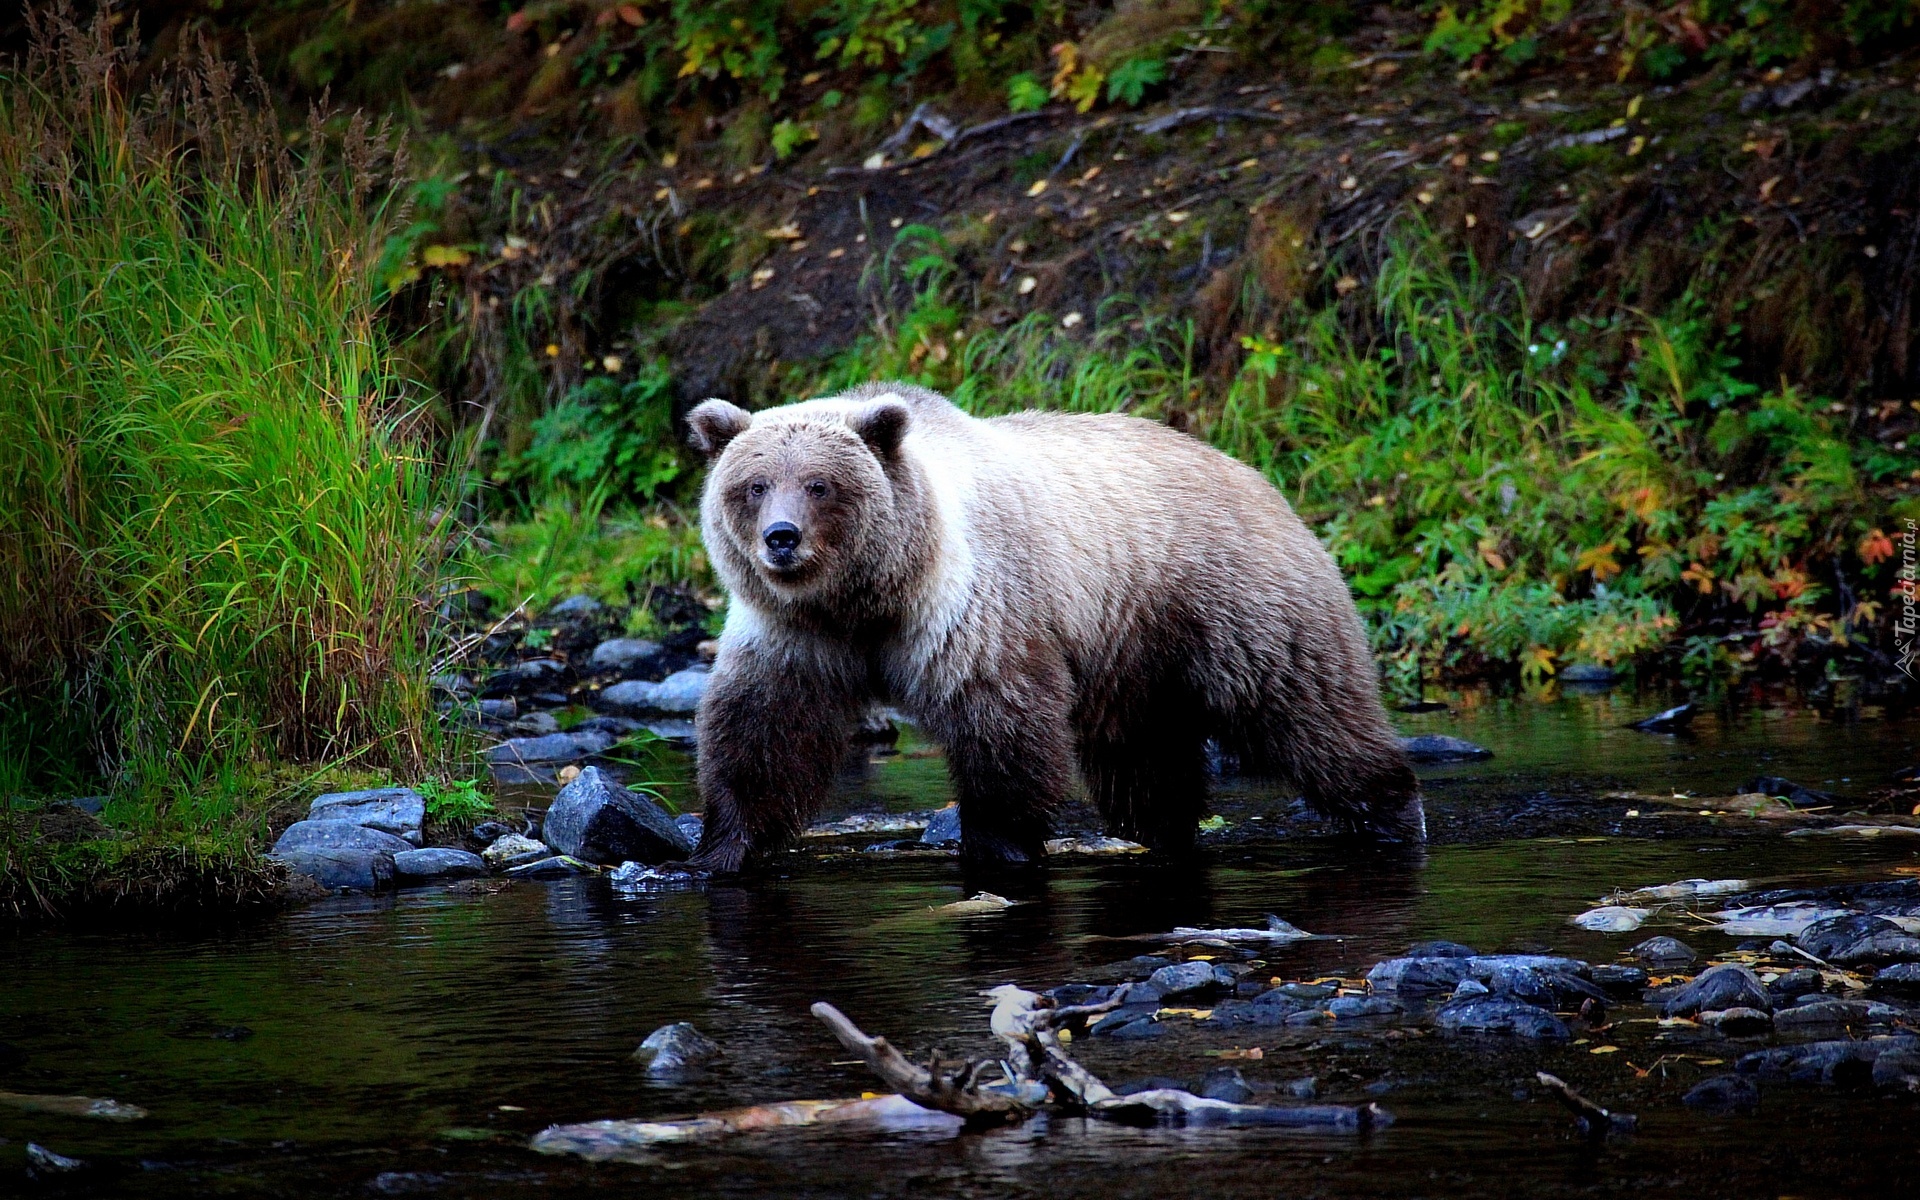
<point>557,866</point>
<point>1501,1014</point>
<point>1832,1012</point>
<point>1672,720</point>
<point>1439,748</point>
<point>438,862</point>
<point>1839,1061</point>
<point>342,868</point>
<point>1901,979</point>
<point>399,811</point>
<point>41,1159</point>
<point>674,1048</point>
<point>1737,1022</point>
<point>1617,979</point>
<point>943,827</point>
<point>1664,951</point>
<point>1773,785</point>
<point>1898,1070</point>
<point>1225,1083</point>
<point>1728,985</point>
<point>596,819</point>
<point>1190,979</point>
<point>679,692</point>
<point>1416,975</point>
<point>1441,950</point>
<point>1722,1093</point>
<point>1825,939</point>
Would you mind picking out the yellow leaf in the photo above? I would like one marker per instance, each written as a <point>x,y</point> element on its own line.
<point>444,256</point>
<point>1604,1050</point>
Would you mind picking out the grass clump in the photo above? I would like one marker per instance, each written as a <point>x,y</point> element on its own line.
<point>220,537</point>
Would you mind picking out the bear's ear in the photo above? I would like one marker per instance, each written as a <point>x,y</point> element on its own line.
<point>882,424</point>
<point>715,423</point>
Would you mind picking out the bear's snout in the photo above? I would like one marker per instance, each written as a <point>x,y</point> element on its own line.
<point>782,538</point>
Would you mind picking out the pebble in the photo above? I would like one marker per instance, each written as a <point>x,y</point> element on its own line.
<point>621,654</point>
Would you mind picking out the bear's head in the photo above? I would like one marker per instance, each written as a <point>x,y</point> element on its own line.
<point>804,496</point>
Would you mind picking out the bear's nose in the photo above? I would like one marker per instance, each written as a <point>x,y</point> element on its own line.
<point>781,536</point>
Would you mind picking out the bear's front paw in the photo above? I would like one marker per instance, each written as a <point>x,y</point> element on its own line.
<point>990,850</point>
<point>724,857</point>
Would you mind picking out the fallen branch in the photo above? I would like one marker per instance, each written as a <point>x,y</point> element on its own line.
<point>1187,116</point>
<point>958,1093</point>
<point>1595,1121</point>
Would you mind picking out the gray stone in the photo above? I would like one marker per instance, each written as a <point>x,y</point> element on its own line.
<point>1225,1083</point>
<point>342,868</point>
<point>1728,985</point>
<point>1737,1022</point>
<point>512,850</point>
<point>1618,979</point>
<point>943,829</point>
<point>1723,1092</point>
<point>1483,965</point>
<point>1250,1012</point>
<point>1439,748</point>
<point>1308,1017</point>
<point>1309,993</point>
<point>1664,951</point>
<point>1348,1007</point>
<point>533,675</point>
<point>621,654</point>
<point>534,724</point>
<point>551,748</point>
<point>1588,674</point>
<point>1441,950</point>
<point>486,833</point>
<point>1471,987</point>
<point>1901,979</point>
<point>557,866</point>
<point>1825,939</point>
<point>1824,1012</point>
<point>399,811</point>
<point>327,836</point>
<point>1141,992</point>
<point>1671,720</point>
<point>692,827</point>
<point>1879,949</point>
<point>1120,1017</point>
<point>674,1048</point>
<point>679,692</point>
<point>1814,1062</point>
<point>1188,979</point>
<point>1898,1070</point>
<point>438,862</point>
<point>1143,1029</point>
<point>577,607</point>
<point>1416,975</point>
<point>595,819</point>
<point>1501,1014</point>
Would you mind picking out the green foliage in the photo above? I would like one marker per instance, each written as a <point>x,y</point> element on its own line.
<point>454,801</point>
<point>614,434</point>
<point>569,544</point>
<point>1130,80</point>
<point>1025,93</point>
<point>218,533</point>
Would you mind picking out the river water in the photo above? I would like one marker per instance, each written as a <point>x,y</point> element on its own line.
<point>412,1044</point>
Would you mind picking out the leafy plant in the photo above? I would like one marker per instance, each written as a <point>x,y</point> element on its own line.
<point>454,801</point>
<point>616,434</point>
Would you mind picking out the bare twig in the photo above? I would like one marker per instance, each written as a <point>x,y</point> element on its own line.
<point>958,1094</point>
<point>1597,1121</point>
<point>1187,116</point>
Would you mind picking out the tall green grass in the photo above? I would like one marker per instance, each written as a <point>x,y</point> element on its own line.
<point>1503,497</point>
<point>218,543</point>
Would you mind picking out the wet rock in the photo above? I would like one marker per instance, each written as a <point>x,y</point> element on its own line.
<point>1501,1014</point>
<point>1471,987</point>
<point>1247,1012</point>
<point>327,836</point>
<point>533,675</point>
<point>438,862</point>
<point>1143,1029</point>
<point>1301,1089</point>
<point>1618,980</point>
<point>1688,889</point>
<point>1142,992</point>
<point>399,811</point>
<point>1878,949</point>
<point>556,866</point>
<point>1832,936</point>
<point>1189,979</point>
<point>674,1048</point>
<point>1728,985</point>
<point>679,692</point>
<point>1225,1083</point>
<point>1815,1062</point>
<point>1664,951</point>
<point>486,833</point>
<point>513,850</point>
<point>1670,721</point>
<point>1824,1012</point>
<point>1138,967</point>
<point>534,724</point>
<point>1349,1007</point>
<point>1520,983</point>
<point>596,819</point>
<point>692,827</point>
<point>1796,983</point>
<point>1898,1070</point>
<point>1413,976</point>
<point>1069,995</point>
<point>551,748</point>
<point>44,1161</point>
<point>1588,675</point>
<point>1612,918</point>
<point>632,878</point>
<point>1737,1022</point>
<point>1773,785</point>
<point>943,828</point>
<point>1440,950</point>
<point>625,656</point>
<point>1901,979</point>
<point>1119,1018</point>
<point>1308,1017</point>
<point>1723,1093</point>
<point>1305,993</point>
<point>1439,748</point>
<point>1772,919</point>
<point>342,868</point>
<point>1151,1083</point>
<point>1482,965</point>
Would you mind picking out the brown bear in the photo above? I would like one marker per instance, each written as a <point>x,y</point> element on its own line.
<point>1038,591</point>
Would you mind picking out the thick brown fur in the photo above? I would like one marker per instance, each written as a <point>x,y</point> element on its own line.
<point>1040,591</point>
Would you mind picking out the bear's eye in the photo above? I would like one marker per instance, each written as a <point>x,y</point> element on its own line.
<point>756,489</point>
<point>817,489</point>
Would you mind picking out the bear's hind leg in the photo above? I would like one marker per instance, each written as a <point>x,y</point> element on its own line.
<point>1150,787</point>
<point>1351,768</point>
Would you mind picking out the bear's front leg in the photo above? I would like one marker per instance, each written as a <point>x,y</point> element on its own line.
<point>773,729</point>
<point>1010,752</point>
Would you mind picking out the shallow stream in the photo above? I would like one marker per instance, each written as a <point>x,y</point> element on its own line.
<point>412,1044</point>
